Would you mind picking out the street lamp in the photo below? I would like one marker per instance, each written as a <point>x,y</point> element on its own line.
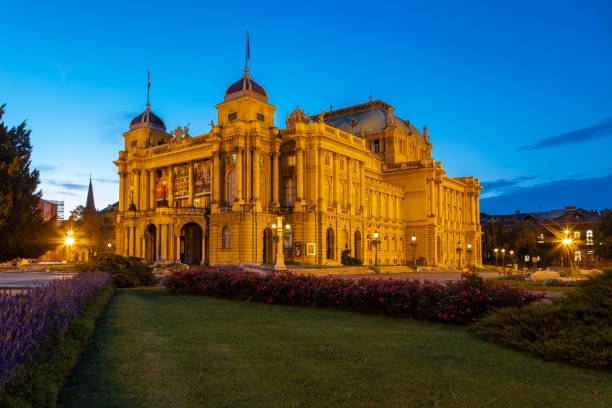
<point>459,249</point>
<point>496,256</point>
<point>503,256</point>
<point>376,242</point>
<point>413,244</point>
<point>567,242</point>
<point>279,266</point>
<point>69,241</point>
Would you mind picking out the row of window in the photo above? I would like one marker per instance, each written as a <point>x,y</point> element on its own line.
<point>234,115</point>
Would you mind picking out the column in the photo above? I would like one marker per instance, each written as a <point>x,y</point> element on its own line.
<point>136,243</point>
<point>256,175</point>
<point>362,187</point>
<point>164,242</point>
<point>349,185</point>
<point>239,172</point>
<point>143,251</point>
<point>190,167</point>
<point>170,187</point>
<point>146,195</point>
<point>137,189</point>
<point>203,259</point>
<point>248,175</point>
<point>152,189</point>
<point>275,178</point>
<point>126,241</point>
<point>300,174</point>
<point>335,180</point>
<point>178,248</point>
<point>321,180</point>
<point>158,244</point>
<point>121,191</point>
<point>216,176</point>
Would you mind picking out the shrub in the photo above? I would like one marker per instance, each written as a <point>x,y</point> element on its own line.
<point>347,259</point>
<point>458,302</point>
<point>576,328</point>
<point>126,271</point>
<point>32,320</point>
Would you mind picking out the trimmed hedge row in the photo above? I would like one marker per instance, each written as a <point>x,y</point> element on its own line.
<point>575,329</point>
<point>40,384</point>
<point>459,302</point>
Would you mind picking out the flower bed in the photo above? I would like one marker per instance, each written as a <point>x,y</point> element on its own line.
<point>32,320</point>
<point>459,302</point>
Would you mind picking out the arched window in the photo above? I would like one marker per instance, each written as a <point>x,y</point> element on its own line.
<point>290,191</point>
<point>343,193</point>
<point>226,238</point>
<point>230,186</point>
<point>369,242</point>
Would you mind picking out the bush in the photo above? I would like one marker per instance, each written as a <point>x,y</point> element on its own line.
<point>347,259</point>
<point>458,302</point>
<point>576,328</point>
<point>127,272</point>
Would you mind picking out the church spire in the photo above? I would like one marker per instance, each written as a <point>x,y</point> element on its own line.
<point>90,205</point>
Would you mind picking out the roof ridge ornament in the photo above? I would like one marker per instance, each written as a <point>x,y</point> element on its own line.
<point>148,87</point>
<point>247,56</point>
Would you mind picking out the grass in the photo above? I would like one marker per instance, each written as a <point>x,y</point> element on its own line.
<point>155,349</point>
<point>533,285</point>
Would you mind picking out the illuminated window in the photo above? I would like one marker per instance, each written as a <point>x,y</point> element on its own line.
<point>230,186</point>
<point>260,117</point>
<point>589,237</point>
<point>226,237</point>
<point>290,160</point>
<point>578,256</point>
<point>576,234</point>
<point>232,116</point>
<point>290,191</point>
<point>540,238</point>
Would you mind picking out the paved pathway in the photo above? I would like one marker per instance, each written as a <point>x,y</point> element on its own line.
<point>16,280</point>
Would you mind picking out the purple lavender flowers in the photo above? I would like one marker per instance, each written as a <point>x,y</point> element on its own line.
<point>39,315</point>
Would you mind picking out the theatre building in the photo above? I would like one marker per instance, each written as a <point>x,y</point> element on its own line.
<point>336,178</point>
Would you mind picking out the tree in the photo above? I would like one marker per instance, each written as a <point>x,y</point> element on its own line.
<point>523,238</point>
<point>603,235</point>
<point>23,232</point>
<point>492,237</point>
<point>93,229</point>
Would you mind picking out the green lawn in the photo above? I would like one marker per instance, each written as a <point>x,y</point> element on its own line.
<point>529,285</point>
<point>155,349</point>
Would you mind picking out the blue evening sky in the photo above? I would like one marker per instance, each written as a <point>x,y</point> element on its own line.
<point>517,94</point>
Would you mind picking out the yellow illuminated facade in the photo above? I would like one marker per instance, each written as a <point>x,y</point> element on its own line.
<point>336,178</point>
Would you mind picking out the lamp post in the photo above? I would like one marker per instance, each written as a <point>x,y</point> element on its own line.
<point>413,244</point>
<point>279,266</point>
<point>496,256</point>
<point>567,243</point>
<point>376,242</point>
<point>503,256</point>
<point>69,241</point>
<point>469,253</point>
<point>512,258</point>
<point>459,249</point>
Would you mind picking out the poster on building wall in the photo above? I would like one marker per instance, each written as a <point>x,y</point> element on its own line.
<point>160,183</point>
<point>287,239</point>
<point>202,177</point>
<point>181,182</point>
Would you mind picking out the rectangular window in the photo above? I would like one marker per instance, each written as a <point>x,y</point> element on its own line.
<point>134,143</point>
<point>260,117</point>
<point>589,237</point>
<point>576,234</point>
<point>377,146</point>
<point>290,161</point>
<point>232,116</point>
<point>540,238</point>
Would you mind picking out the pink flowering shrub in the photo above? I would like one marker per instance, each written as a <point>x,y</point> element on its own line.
<point>459,302</point>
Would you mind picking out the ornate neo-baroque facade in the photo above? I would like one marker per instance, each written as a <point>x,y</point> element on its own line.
<point>336,178</point>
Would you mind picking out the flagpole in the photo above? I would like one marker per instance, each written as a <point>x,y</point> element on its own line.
<point>246,59</point>
<point>148,87</point>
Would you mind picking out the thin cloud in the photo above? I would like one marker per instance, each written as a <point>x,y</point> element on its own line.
<point>599,131</point>
<point>107,180</point>
<point>69,193</point>
<point>503,184</point>
<point>589,193</point>
<point>44,167</point>
<point>69,186</point>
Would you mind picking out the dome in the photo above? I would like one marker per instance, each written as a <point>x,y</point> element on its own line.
<point>148,119</point>
<point>245,86</point>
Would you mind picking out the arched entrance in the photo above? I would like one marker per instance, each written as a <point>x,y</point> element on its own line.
<point>150,245</point>
<point>191,244</point>
<point>330,244</point>
<point>357,243</point>
<point>268,247</point>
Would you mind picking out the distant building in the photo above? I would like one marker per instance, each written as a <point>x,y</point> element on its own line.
<point>48,210</point>
<point>89,204</point>
<point>579,223</point>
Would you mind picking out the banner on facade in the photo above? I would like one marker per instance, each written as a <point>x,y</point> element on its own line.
<point>181,182</point>
<point>202,177</point>
<point>160,186</point>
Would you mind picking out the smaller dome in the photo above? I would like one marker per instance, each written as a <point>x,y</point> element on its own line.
<point>296,116</point>
<point>148,119</point>
<point>245,85</point>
